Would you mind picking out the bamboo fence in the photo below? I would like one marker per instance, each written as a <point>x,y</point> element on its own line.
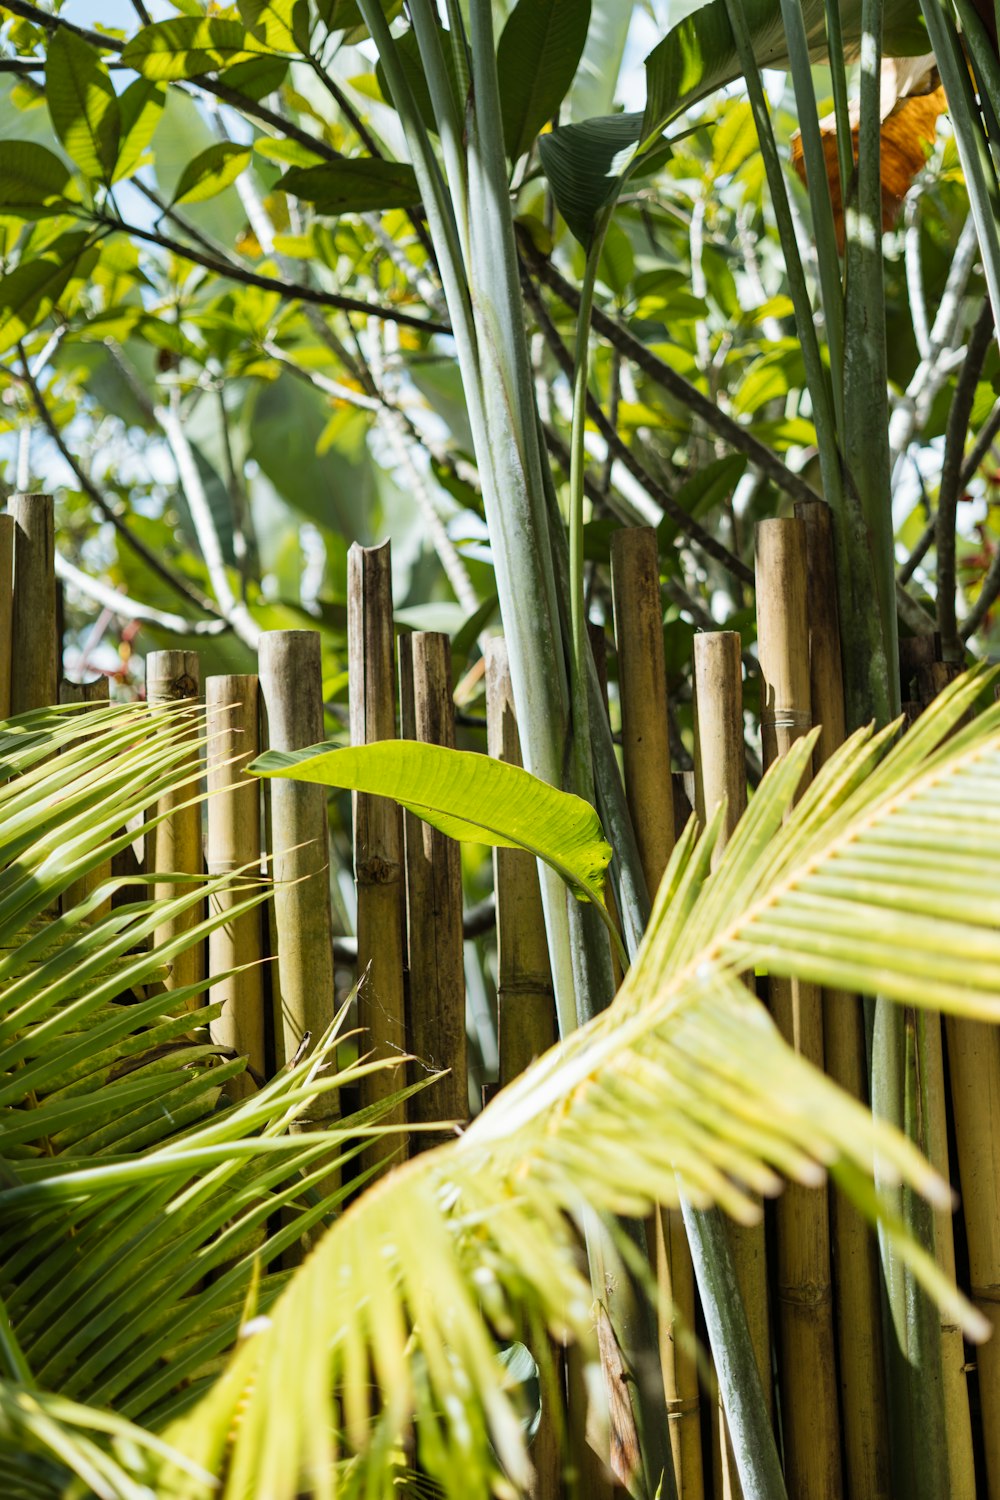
<point>810,1273</point>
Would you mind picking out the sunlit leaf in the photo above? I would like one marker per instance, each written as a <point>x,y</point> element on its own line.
<point>211,170</point>
<point>470,797</point>
<point>83,104</point>
<point>354,185</point>
<point>186,46</point>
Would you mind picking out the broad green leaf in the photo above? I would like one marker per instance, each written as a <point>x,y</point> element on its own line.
<point>408,55</point>
<point>537,58</point>
<point>698,55</point>
<point>186,46</point>
<point>355,185</point>
<point>211,171</point>
<point>586,166</point>
<point>141,106</point>
<point>83,104</point>
<point>470,797</point>
<point>708,487</point>
<point>281,24</point>
<point>29,292</point>
<point>343,15</point>
<point>288,153</point>
<point>33,181</point>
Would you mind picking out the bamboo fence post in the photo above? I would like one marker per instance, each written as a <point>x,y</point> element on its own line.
<point>642,685</point>
<point>805,1325</point>
<point>526,1011</point>
<point>34,664</point>
<point>174,846</point>
<point>720,774</point>
<point>974,1065</point>
<point>7,528</point>
<point>436,1013</point>
<point>97,691</point>
<point>291,691</point>
<point>378,829</point>
<point>525,999</point>
<point>856,1270</point>
<point>958,1465</point>
<point>233,844</point>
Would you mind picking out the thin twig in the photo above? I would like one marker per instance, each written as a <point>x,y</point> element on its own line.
<point>293,290</point>
<point>173,580</point>
<point>984,442</point>
<point>980,341</point>
<point>691,528</point>
<point>730,431</point>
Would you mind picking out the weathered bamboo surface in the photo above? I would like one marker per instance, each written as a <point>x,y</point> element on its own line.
<point>378,827</point>
<point>174,840</point>
<point>803,1288</point>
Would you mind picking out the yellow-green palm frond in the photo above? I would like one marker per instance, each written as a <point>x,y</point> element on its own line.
<point>137,1205</point>
<point>388,1334</point>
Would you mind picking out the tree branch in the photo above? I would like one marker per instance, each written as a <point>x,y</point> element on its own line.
<point>293,290</point>
<point>980,341</point>
<point>130,609</point>
<point>626,342</point>
<point>691,528</point>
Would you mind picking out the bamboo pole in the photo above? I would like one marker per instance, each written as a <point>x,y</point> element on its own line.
<point>526,1012</point>
<point>173,846</point>
<point>7,528</point>
<point>856,1270</point>
<point>34,658</point>
<point>804,1298</point>
<point>525,998</point>
<point>291,690</point>
<point>930,1131</point>
<point>436,950</point>
<point>378,837</point>
<point>233,844</point>
<point>720,775</point>
<point>97,691</point>
<point>642,685</point>
<point>974,1066</point>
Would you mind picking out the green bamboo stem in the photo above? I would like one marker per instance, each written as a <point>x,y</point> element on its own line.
<point>864,648</point>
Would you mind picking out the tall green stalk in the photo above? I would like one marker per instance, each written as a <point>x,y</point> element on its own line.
<point>867,676</point>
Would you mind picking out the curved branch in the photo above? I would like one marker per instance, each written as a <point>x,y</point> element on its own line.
<point>130,609</point>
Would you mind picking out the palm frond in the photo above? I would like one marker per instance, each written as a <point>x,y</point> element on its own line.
<point>388,1335</point>
<point>138,1208</point>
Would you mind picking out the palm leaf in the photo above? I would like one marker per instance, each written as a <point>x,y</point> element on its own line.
<point>388,1334</point>
<point>137,1207</point>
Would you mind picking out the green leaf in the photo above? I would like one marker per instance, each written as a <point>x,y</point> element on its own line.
<point>141,106</point>
<point>586,165</point>
<point>187,46</point>
<point>469,797</point>
<point>699,54</point>
<point>29,293</point>
<point>408,57</point>
<point>33,181</point>
<point>83,104</point>
<point>355,185</point>
<point>537,58</point>
<point>343,15</point>
<point>281,24</point>
<point>706,489</point>
<point>212,170</point>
